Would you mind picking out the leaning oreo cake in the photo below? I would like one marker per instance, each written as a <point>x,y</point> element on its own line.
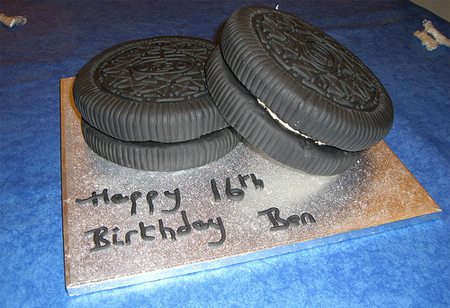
<point>305,108</point>
<point>284,85</point>
<point>314,105</point>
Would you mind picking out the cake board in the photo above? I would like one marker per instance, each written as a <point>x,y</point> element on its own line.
<point>123,226</point>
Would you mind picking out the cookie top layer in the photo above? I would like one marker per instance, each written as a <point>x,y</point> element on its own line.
<point>318,62</point>
<point>152,89</point>
<point>304,76</point>
<point>161,70</point>
<point>257,126</point>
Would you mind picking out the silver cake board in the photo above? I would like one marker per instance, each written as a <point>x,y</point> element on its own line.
<point>124,226</point>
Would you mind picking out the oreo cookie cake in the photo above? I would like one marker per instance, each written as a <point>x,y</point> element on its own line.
<point>289,89</point>
<point>296,93</point>
<point>144,104</point>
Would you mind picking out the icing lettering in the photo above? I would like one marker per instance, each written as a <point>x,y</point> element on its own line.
<point>104,237</point>
<point>176,196</point>
<point>215,190</point>
<point>99,238</point>
<point>236,194</point>
<point>102,240</point>
<point>143,229</point>
<point>133,197</point>
<point>120,199</point>
<point>94,198</point>
<point>163,230</point>
<point>278,223</point>
<point>151,195</point>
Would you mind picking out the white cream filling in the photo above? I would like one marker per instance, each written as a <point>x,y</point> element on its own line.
<point>286,125</point>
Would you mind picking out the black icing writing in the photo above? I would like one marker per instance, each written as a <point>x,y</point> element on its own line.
<point>144,230</point>
<point>151,195</point>
<point>232,193</point>
<point>119,198</point>
<point>242,180</point>
<point>94,198</point>
<point>278,223</point>
<point>175,196</point>
<point>133,198</point>
<point>99,240</point>
<point>257,182</point>
<point>103,240</point>
<point>215,190</point>
<point>236,194</point>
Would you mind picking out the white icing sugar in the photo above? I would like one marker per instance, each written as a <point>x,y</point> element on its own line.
<point>286,125</point>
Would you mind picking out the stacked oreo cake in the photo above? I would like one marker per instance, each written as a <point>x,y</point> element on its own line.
<point>284,85</point>
<point>144,104</point>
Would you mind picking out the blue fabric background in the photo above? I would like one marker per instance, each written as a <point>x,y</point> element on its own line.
<point>409,267</point>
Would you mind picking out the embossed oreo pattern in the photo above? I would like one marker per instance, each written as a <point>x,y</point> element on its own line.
<point>306,78</point>
<point>320,63</point>
<point>162,70</point>
<point>149,90</point>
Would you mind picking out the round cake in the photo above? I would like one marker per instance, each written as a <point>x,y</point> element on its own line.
<point>260,129</point>
<point>152,89</point>
<point>308,81</point>
<point>144,104</point>
<point>167,103</point>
